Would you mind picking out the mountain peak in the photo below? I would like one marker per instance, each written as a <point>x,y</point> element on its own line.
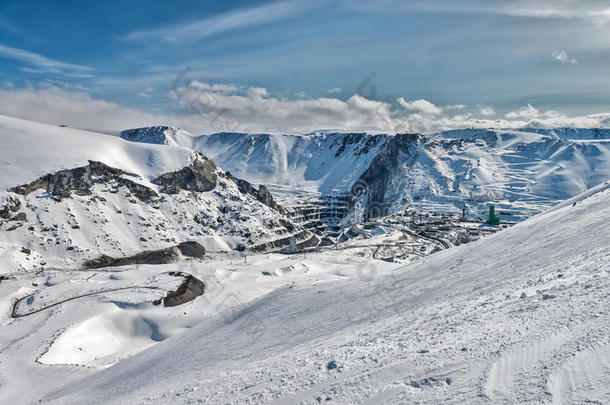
<point>161,135</point>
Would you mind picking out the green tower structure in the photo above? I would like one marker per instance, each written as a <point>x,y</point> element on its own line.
<point>493,219</point>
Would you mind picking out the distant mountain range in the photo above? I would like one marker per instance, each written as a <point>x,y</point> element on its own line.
<point>521,171</point>
<point>67,196</point>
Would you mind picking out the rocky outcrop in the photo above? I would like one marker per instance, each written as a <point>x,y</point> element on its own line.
<point>199,175</point>
<point>191,249</point>
<point>161,256</point>
<point>262,194</point>
<point>79,180</point>
<point>10,207</point>
<point>187,291</point>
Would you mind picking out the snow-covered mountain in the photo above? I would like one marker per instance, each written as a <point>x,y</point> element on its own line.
<point>69,196</point>
<point>309,174</point>
<point>520,317</point>
<point>523,172</point>
<point>517,316</point>
<point>319,162</point>
<point>343,178</point>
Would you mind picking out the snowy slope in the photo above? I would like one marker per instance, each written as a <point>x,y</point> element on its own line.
<point>106,217</point>
<point>30,150</point>
<point>318,162</point>
<point>519,317</point>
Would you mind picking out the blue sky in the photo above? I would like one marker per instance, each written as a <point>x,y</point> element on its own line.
<point>488,60</point>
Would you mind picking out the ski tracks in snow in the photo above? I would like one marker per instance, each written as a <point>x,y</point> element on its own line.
<point>554,369</point>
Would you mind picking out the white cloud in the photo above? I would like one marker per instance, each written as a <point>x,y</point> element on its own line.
<point>423,106</point>
<point>216,87</point>
<point>42,64</point>
<point>454,107</point>
<point>214,108</point>
<point>55,105</point>
<point>257,92</point>
<point>334,90</point>
<point>257,111</point>
<point>563,57</point>
<point>194,31</point>
<point>143,94</point>
<point>528,112</point>
<point>486,111</point>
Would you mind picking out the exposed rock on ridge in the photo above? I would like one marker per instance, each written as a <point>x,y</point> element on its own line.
<point>262,194</point>
<point>199,175</point>
<point>80,180</point>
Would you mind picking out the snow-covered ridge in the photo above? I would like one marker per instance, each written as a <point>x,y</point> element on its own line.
<point>31,150</point>
<point>57,211</point>
<point>161,135</point>
<point>523,171</point>
<point>326,163</point>
<point>557,133</point>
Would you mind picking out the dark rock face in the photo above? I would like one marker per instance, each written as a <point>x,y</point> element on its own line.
<point>200,175</point>
<point>307,239</point>
<point>191,249</point>
<point>190,289</point>
<point>20,217</point>
<point>373,182</point>
<point>161,256</point>
<point>365,141</point>
<point>262,194</point>
<point>61,184</point>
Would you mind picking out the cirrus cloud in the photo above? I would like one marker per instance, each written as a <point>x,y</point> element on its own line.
<point>38,63</point>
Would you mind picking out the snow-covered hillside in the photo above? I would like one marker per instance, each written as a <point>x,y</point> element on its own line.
<point>319,162</point>
<point>523,172</point>
<point>68,196</point>
<point>518,317</point>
